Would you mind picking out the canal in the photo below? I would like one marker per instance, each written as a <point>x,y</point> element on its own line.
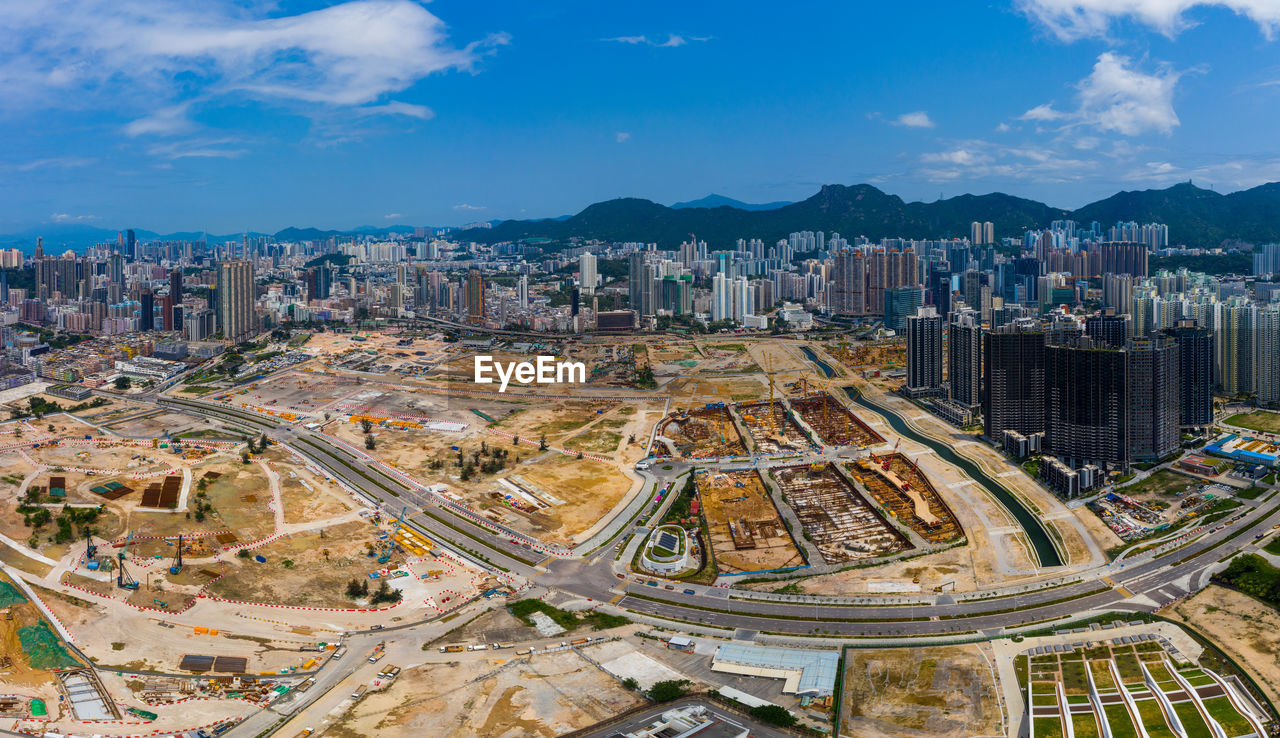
<point>1045,550</point>
<point>824,366</point>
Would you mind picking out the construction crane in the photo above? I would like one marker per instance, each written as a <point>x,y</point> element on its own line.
<point>177,561</point>
<point>912,471</point>
<point>123,579</point>
<point>888,458</point>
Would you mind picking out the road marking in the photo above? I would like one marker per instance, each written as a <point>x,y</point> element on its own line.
<point>1127,594</point>
<point>617,598</point>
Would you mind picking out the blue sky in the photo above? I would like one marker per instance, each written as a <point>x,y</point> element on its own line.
<point>224,116</point>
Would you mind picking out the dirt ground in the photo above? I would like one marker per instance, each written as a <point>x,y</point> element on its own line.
<point>940,692</point>
<point>1246,629</point>
<point>955,565</point>
<point>547,695</point>
<point>309,579</point>
<point>737,502</point>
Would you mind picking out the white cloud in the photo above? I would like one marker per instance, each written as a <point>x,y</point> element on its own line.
<point>1003,128</point>
<point>167,57</point>
<point>1117,97</point>
<point>421,112</point>
<point>465,206</point>
<point>978,159</point>
<point>918,119</point>
<point>1041,113</point>
<point>199,148</point>
<point>68,218</point>
<point>55,162</point>
<point>622,136</point>
<point>392,216</point>
<point>673,40</point>
<point>959,157</point>
<point>1073,19</point>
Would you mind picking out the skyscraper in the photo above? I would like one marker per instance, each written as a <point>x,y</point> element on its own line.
<point>1235,346</point>
<point>850,283</point>
<point>587,272</point>
<point>1153,394</point>
<point>236,298</point>
<point>1195,373</point>
<point>1108,329</point>
<point>964,358</point>
<point>475,297</point>
<point>924,351</point>
<point>1015,375</point>
<point>1268,352</point>
<point>147,313</point>
<point>1086,419</point>
<point>899,304</point>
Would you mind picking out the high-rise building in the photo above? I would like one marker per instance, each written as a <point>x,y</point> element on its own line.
<point>1108,329</point>
<point>1268,353</point>
<point>236,297</point>
<point>1086,400</point>
<point>850,283</point>
<point>637,284</point>
<point>1195,373</point>
<point>1122,258</point>
<point>981,233</point>
<point>147,311</point>
<point>964,358</point>
<point>587,272</point>
<point>899,304</point>
<point>522,292</point>
<point>175,285</point>
<point>475,297</point>
<point>924,351</point>
<point>1014,373</point>
<point>1153,394</point>
<point>1266,259</point>
<point>1235,346</point>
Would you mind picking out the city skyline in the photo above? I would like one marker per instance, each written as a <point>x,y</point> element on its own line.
<point>382,112</point>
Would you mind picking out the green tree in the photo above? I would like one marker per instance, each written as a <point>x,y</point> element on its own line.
<point>123,383</point>
<point>668,690</point>
<point>773,714</point>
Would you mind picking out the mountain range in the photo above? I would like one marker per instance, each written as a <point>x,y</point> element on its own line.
<point>1195,216</point>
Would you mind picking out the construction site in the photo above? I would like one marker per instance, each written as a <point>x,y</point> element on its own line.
<point>833,422</point>
<point>841,524</point>
<point>899,486</point>
<point>746,530</point>
<point>887,354</point>
<point>704,433</point>
<point>772,428</point>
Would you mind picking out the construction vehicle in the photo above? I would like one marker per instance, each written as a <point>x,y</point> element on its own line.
<point>123,579</point>
<point>177,561</point>
<point>90,550</point>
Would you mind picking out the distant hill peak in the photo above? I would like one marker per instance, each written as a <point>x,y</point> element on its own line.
<point>720,201</point>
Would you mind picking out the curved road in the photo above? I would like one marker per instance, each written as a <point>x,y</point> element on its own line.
<point>1143,585</point>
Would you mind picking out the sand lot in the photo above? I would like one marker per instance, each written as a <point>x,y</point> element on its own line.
<point>1246,629</point>
<point>547,695</point>
<point>940,692</point>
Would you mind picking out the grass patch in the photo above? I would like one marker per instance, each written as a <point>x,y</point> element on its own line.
<point>524,609</point>
<point>1221,709</point>
<point>1119,721</point>
<point>1252,493</point>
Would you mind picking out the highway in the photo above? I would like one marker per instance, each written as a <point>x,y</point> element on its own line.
<point>1142,585</point>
